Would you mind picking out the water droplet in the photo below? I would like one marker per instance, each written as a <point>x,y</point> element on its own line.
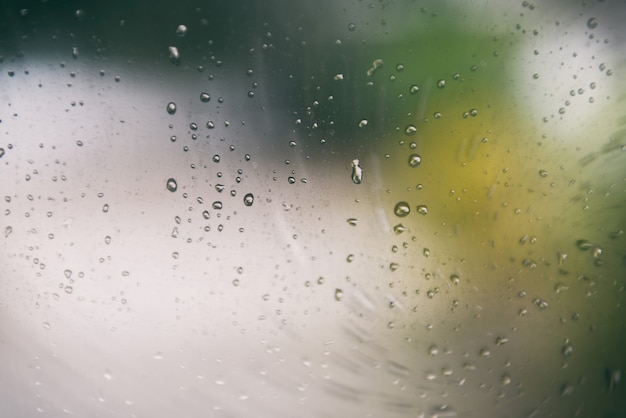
<point>338,77</point>
<point>68,289</point>
<point>441,83</point>
<point>426,252</point>
<point>351,27</point>
<point>181,30</point>
<point>171,108</point>
<point>105,208</point>
<point>422,209</point>
<point>357,172</point>
<point>568,349</point>
<point>398,229</point>
<point>171,185</point>
<point>454,279</point>
<point>592,23</point>
<point>1,152</point>
<point>363,123</point>
<point>217,205</point>
<point>75,52</point>
<point>291,180</point>
<point>414,89</point>
<point>393,266</point>
<point>205,97</point>
<point>216,158</point>
<point>583,244</point>
<point>410,130</point>
<point>414,160</point>
<point>352,221</point>
<point>505,379</point>
<point>543,173</point>
<point>433,350</point>
<point>401,209</point>
<point>338,294</point>
<point>248,199</point>
<point>567,390</point>
<point>174,55</point>
<point>596,252</point>
<point>501,341</point>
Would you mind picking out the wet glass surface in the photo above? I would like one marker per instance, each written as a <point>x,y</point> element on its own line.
<point>314,209</point>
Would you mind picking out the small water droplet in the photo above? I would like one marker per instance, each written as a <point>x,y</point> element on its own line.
<point>357,172</point>
<point>422,209</point>
<point>351,27</point>
<point>205,97</point>
<point>105,208</point>
<point>505,379</point>
<point>174,55</point>
<point>583,244</point>
<point>352,221</point>
<point>171,185</point>
<point>543,173</point>
<point>171,108</point>
<point>415,160</point>
<point>410,130</point>
<point>181,30</point>
<point>441,83</point>
<point>68,289</point>
<point>567,390</point>
<point>363,123</point>
<point>596,252</point>
<point>401,209</point>
<point>217,205</point>
<point>398,229</point>
<point>338,294</point>
<point>248,199</point>
<point>592,23</point>
<point>414,89</point>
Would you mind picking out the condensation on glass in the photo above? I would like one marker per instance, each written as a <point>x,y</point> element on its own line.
<point>313,209</point>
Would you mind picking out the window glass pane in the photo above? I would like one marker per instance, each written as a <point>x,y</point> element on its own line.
<point>315,209</point>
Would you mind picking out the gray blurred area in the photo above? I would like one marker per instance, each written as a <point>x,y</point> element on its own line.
<point>201,209</point>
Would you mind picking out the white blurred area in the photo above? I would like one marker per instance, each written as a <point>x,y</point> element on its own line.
<point>285,308</point>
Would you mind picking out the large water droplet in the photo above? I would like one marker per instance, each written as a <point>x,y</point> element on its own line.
<point>248,199</point>
<point>171,185</point>
<point>410,130</point>
<point>205,97</point>
<point>357,172</point>
<point>415,160</point>
<point>217,205</point>
<point>171,108</point>
<point>401,209</point>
